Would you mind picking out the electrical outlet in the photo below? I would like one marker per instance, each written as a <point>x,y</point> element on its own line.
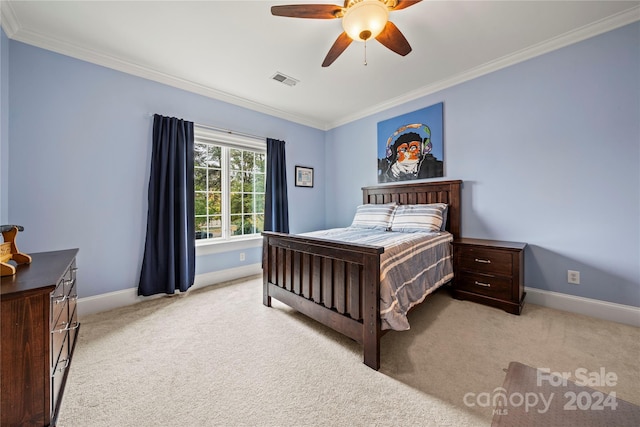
<point>573,277</point>
<point>241,256</point>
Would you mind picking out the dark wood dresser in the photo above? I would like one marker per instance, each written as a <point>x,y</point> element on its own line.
<point>38,330</point>
<point>490,272</point>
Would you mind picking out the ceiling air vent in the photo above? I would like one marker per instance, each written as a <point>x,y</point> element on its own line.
<point>289,81</point>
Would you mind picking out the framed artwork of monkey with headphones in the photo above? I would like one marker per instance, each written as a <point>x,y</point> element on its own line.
<point>411,146</point>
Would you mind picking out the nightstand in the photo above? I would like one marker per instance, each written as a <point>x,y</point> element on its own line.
<point>489,272</point>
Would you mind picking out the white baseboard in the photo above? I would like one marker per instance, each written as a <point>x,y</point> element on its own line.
<point>620,313</point>
<point>589,307</point>
<point>111,300</point>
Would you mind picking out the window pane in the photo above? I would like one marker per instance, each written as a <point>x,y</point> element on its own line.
<point>248,182</point>
<point>259,199</point>
<point>215,203</point>
<point>259,183</point>
<point>247,226</point>
<point>200,204</point>
<point>236,225</point>
<point>259,223</point>
<point>247,203</point>
<point>215,226</point>
<point>260,162</point>
<point>214,156</point>
<point>215,180</point>
<point>201,227</point>
<point>247,160</point>
<point>200,179</point>
<point>236,181</point>
<point>200,154</point>
<point>235,159</point>
<point>236,203</point>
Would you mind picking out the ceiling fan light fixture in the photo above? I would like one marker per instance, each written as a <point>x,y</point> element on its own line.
<point>365,20</point>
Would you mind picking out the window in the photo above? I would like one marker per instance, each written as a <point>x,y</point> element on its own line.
<point>229,181</point>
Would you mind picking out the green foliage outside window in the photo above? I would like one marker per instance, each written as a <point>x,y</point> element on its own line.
<point>246,174</point>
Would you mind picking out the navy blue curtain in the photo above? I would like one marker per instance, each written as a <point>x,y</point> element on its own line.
<point>169,252</point>
<point>276,204</point>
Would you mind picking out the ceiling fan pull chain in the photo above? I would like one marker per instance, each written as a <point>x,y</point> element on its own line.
<point>365,53</point>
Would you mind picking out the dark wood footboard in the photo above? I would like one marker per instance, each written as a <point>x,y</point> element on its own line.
<point>334,283</point>
<point>338,284</point>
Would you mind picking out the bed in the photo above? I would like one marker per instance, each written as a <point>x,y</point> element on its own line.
<point>339,284</point>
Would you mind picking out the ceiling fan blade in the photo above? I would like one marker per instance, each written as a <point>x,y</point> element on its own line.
<point>342,42</point>
<point>403,4</point>
<point>316,11</point>
<point>392,38</point>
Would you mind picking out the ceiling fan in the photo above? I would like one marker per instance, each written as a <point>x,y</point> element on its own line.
<point>361,20</point>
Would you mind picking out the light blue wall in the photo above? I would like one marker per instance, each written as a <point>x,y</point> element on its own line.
<point>548,150</point>
<point>80,140</point>
<point>4,127</point>
<point>549,153</point>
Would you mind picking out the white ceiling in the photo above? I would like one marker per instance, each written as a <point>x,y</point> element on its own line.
<point>229,50</point>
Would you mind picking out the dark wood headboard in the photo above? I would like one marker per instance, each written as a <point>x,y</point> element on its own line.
<point>420,193</point>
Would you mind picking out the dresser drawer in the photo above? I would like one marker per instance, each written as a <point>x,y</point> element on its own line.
<point>483,260</point>
<point>73,326</point>
<point>58,302</point>
<point>70,279</point>
<point>59,332</point>
<point>58,373</point>
<point>491,286</point>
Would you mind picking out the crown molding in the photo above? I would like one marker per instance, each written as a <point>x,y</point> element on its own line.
<point>14,31</point>
<point>8,19</point>
<point>599,27</point>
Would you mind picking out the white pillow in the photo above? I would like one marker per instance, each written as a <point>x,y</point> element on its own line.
<point>419,218</point>
<point>377,217</point>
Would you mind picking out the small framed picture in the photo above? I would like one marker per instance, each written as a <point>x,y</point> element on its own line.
<point>304,176</point>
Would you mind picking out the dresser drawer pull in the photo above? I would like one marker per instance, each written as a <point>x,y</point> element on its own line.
<point>66,326</point>
<point>486,285</point>
<point>484,261</point>
<point>74,325</point>
<point>69,282</point>
<point>63,367</point>
<point>60,300</point>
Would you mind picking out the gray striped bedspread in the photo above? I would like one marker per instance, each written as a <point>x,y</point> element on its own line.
<point>412,266</point>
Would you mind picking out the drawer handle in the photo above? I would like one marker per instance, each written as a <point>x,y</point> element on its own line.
<point>66,326</point>
<point>63,367</point>
<point>61,300</point>
<point>484,261</point>
<point>69,282</point>
<point>486,285</point>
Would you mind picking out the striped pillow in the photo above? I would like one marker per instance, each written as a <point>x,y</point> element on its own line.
<point>419,218</point>
<point>377,217</point>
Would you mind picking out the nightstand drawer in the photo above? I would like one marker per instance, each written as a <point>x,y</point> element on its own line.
<point>483,260</point>
<point>491,286</point>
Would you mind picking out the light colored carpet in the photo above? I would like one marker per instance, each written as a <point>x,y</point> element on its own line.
<point>216,356</point>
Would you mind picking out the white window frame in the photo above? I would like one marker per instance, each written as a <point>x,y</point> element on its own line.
<point>229,140</point>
